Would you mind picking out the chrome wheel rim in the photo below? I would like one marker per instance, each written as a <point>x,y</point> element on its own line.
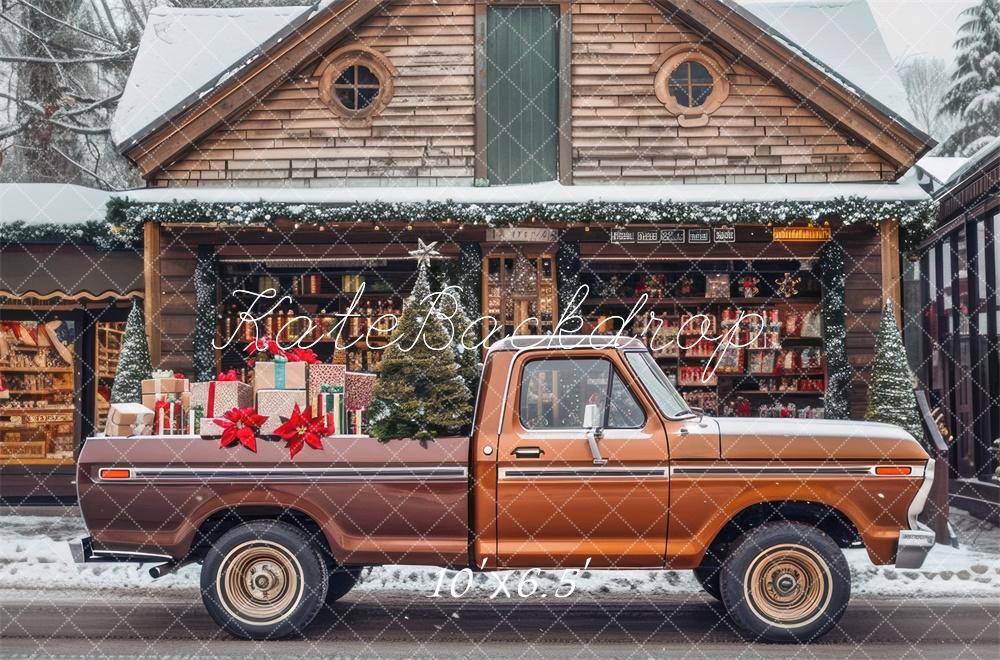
<point>260,583</point>
<point>788,586</point>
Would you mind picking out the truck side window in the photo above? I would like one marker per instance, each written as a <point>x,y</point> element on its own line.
<point>554,392</point>
<point>624,412</point>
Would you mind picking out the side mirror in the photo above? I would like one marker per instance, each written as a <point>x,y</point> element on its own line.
<point>591,422</point>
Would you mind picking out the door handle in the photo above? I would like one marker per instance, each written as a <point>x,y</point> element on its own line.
<point>528,452</point>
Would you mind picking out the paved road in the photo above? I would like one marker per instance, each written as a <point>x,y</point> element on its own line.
<point>380,625</point>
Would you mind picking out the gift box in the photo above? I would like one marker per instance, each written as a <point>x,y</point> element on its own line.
<point>279,375</point>
<point>325,374</point>
<point>357,422</point>
<point>218,396</point>
<point>163,386</point>
<point>359,388</point>
<point>128,419</point>
<point>329,403</point>
<point>277,404</point>
<point>170,416</point>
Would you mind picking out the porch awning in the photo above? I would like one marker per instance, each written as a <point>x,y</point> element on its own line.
<point>55,273</point>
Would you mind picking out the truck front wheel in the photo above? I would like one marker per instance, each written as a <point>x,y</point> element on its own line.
<point>264,580</point>
<point>785,582</point>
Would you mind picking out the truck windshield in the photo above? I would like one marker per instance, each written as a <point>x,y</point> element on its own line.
<point>652,377</point>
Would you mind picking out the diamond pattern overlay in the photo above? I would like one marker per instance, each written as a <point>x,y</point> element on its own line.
<point>607,128</point>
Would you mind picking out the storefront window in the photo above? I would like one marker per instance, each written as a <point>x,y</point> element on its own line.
<point>109,339</point>
<point>38,392</point>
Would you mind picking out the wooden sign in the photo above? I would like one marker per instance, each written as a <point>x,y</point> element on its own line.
<point>724,234</point>
<point>521,235</point>
<point>700,235</point>
<point>622,236</point>
<point>647,236</point>
<point>672,235</point>
<point>801,234</point>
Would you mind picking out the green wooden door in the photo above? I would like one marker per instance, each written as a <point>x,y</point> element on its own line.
<point>522,94</point>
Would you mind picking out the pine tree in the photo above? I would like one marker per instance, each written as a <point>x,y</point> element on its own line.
<point>974,95</point>
<point>419,393</point>
<point>470,367</point>
<point>133,361</point>
<point>205,315</point>
<point>890,392</point>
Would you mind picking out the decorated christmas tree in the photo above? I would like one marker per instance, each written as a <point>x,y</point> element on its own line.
<point>133,361</point>
<point>466,353</point>
<point>890,390</point>
<point>974,95</point>
<point>420,393</point>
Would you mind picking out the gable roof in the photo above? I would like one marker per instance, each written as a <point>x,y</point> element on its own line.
<point>184,52</point>
<point>162,135</point>
<point>843,36</point>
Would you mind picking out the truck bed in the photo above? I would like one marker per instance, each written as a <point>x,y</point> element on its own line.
<point>392,502</point>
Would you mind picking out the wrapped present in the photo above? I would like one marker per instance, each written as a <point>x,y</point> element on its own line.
<point>170,417</point>
<point>279,375</point>
<point>164,385</point>
<point>128,419</point>
<point>357,422</point>
<point>276,404</point>
<point>218,396</point>
<point>325,374</point>
<point>330,405</point>
<point>359,388</point>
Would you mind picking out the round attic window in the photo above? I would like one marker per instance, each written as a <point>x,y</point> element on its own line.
<point>356,82</point>
<point>691,83</point>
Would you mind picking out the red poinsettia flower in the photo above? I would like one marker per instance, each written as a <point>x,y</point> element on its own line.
<point>299,354</point>
<point>302,429</point>
<point>240,425</point>
<point>230,375</point>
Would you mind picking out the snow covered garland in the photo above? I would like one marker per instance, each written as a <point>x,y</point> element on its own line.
<point>917,219</point>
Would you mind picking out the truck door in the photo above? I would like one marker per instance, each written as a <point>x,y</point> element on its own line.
<point>556,505</point>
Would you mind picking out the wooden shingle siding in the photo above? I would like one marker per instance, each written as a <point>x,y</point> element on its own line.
<point>621,132</point>
<point>425,135</point>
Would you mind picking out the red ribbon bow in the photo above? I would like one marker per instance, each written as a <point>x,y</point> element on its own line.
<point>227,376</point>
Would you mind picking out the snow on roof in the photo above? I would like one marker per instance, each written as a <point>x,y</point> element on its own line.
<point>51,203</point>
<point>986,154</point>
<point>941,168</point>
<point>843,35</point>
<point>551,192</point>
<point>185,50</point>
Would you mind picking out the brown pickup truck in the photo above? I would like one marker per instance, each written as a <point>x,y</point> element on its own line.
<point>578,452</point>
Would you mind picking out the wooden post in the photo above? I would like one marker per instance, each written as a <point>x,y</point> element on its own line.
<point>151,277</point>
<point>891,277</point>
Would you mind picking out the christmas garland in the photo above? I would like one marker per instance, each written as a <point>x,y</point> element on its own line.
<point>98,233</point>
<point>916,218</point>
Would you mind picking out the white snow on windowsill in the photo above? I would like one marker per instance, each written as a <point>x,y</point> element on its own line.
<point>550,192</point>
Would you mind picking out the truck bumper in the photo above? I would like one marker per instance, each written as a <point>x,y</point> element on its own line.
<point>914,545</point>
<point>84,553</point>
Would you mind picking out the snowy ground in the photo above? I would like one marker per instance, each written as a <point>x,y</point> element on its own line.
<point>34,555</point>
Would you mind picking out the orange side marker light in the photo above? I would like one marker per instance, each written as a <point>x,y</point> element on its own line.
<point>115,473</point>
<point>893,470</point>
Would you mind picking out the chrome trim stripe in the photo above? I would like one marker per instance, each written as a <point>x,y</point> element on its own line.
<point>129,553</point>
<point>917,471</point>
<point>455,473</point>
<point>920,499</point>
<point>585,472</point>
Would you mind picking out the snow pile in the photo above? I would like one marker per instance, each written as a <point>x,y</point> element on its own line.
<point>34,555</point>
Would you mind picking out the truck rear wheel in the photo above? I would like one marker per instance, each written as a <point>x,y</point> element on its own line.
<point>342,580</point>
<point>786,582</point>
<point>264,580</point>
